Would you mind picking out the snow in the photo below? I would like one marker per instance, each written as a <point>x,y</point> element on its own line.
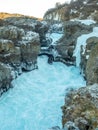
<point>85,2</point>
<point>34,102</point>
<point>87,57</point>
<point>81,41</point>
<point>30,36</point>
<point>73,11</point>
<point>85,21</point>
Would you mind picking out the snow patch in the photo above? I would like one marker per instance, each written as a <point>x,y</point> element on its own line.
<point>85,2</point>
<point>87,57</point>
<point>73,11</point>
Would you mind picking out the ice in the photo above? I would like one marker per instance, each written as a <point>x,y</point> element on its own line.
<point>55,37</point>
<point>35,100</point>
<point>81,41</point>
<point>85,21</point>
<point>73,11</point>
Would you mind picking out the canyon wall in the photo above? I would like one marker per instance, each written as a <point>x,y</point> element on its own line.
<point>20,42</point>
<point>78,9</point>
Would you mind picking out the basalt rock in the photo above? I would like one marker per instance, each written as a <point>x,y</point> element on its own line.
<point>81,108</point>
<point>66,45</point>
<point>92,65</point>
<point>30,24</point>
<point>19,47</point>
<point>86,60</point>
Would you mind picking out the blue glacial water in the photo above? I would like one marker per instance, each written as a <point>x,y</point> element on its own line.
<point>34,102</point>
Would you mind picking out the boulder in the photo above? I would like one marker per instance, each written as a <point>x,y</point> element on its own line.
<point>92,66</point>
<point>81,108</point>
<point>5,78</point>
<point>90,44</point>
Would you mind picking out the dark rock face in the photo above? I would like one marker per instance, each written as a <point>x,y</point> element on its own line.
<point>66,45</point>
<point>81,107</point>
<point>87,60</point>
<point>92,65</point>
<point>20,41</point>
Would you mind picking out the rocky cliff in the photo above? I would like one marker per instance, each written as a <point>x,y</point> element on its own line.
<point>20,42</point>
<point>80,9</point>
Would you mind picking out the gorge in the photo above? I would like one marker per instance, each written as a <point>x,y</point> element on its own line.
<point>51,68</point>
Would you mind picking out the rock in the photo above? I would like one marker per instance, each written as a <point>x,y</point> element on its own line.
<point>81,108</point>
<point>11,32</point>
<point>56,28</point>
<point>92,66</point>
<point>30,24</point>
<point>29,52</point>
<point>42,28</point>
<point>19,46</point>
<point>76,9</point>
<point>26,23</point>
<point>5,78</point>
<point>91,43</point>
<point>70,126</point>
<point>57,14</point>
<point>66,45</point>
<point>23,54</point>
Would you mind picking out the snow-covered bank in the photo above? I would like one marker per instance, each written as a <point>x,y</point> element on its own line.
<point>34,102</point>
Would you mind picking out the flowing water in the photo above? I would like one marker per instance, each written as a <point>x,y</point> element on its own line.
<point>34,102</point>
